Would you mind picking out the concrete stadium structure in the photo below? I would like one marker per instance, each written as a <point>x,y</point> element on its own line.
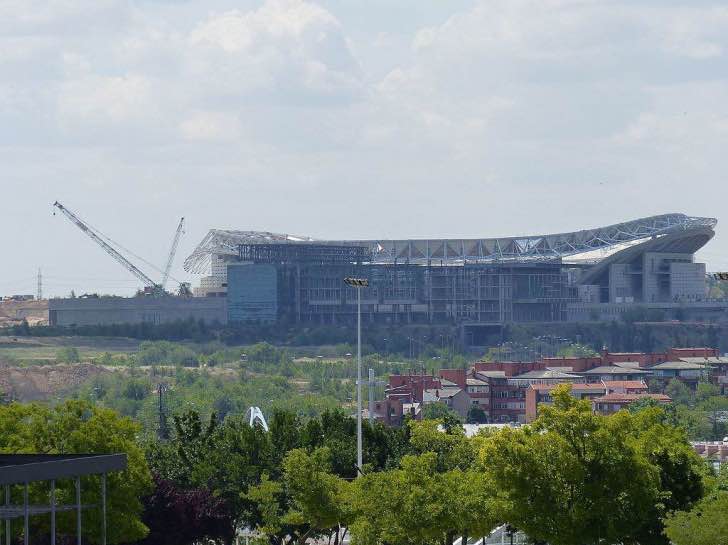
<point>582,275</point>
<point>92,311</point>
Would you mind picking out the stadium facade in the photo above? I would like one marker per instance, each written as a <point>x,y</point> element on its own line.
<point>582,275</point>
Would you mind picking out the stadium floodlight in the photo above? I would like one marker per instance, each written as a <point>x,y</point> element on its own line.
<point>358,283</point>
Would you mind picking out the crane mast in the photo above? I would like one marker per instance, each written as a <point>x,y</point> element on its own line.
<point>172,252</point>
<point>148,282</point>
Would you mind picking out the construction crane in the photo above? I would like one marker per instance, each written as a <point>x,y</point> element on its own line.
<point>172,252</point>
<point>150,286</point>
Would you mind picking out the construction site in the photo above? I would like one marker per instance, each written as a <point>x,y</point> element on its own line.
<point>14,312</point>
<point>475,284</point>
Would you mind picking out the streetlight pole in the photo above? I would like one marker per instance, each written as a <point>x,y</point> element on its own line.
<point>359,447</point>
<point>358,283</point>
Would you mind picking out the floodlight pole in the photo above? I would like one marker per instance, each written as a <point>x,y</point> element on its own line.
<point>359,455</point>
<point>358,284</point>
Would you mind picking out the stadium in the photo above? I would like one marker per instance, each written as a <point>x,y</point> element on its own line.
<point>477,283</point>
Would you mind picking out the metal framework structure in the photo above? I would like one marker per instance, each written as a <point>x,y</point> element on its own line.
<point>453,251</point>
<point>23,469</point>
<point>303,253</point>
<point>224,242</point>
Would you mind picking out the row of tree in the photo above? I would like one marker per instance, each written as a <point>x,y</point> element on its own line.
<point>636,331</point>
<point>571,478</point>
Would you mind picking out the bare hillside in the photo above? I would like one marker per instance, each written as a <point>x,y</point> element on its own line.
<point>14,312</point>
<point>43,382</point>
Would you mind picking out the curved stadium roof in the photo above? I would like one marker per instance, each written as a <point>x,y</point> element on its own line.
<point>689,231</point>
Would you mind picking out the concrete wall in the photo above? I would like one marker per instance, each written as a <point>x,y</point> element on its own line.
<point>461,404</point>
<point>620,283</point>
<point>679,276</point>
<point>687,281</point>
<point>134,310</point>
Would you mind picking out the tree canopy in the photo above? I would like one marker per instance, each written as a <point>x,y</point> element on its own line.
<point>77,427</point>
<point>576,477</point>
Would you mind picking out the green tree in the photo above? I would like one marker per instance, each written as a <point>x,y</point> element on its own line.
<point>715,408</point>
<point>705,524</point>
<point>419,505</point>
<point>682,473</point>
<point>679,392</point>
<point>705,390</point>
<point>575,477</point>
<point>77,427</point>
<point>476,415</point>
<point>269,500</point>
<point>137,389</point>
<point>667,410</point>
<point>452,450</point>
<point>316,494</point>
<point>226,459</point>
<point>68,354</point>
<point>439,411</point>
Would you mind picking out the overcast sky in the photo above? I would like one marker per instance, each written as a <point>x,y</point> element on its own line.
<point>371,119</point>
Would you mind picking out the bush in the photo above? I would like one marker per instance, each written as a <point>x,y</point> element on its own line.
<point>166,353</point>
<point>68,354</point>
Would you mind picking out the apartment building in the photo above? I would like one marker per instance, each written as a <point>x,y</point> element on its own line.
<point>510,392</point>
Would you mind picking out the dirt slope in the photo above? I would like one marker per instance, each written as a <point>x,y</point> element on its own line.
<point>43,382</point>
<point>14,312</point>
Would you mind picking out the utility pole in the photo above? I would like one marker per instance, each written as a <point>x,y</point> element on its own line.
<point>358,283</point>
<point>163,431</point>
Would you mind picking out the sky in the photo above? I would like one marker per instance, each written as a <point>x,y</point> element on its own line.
<point>343,118</point>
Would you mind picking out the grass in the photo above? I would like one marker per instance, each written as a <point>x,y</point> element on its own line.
<point>35,351</point>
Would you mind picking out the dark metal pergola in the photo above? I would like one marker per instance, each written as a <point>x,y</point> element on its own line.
<point>22,469</point>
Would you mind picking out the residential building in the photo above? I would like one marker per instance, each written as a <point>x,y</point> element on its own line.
<point>454,398</point>
<point>539,394</point>
<point>625,387</point>
<point>611,403</point>
<point>510,392</point>
<point>687,372</point>
<point>615,372</point>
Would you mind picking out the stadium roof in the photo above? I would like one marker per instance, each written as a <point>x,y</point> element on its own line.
<point>527,248</point>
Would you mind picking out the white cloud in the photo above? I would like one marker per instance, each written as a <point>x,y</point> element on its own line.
<point>114,100</point>
<point>502,116</point>
<point>285,51</point>
<point>62,17</point>
<point>210,126</point>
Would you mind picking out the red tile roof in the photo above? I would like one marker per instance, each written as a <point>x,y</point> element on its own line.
<point>629,384</point>
<point>574,386</point>
<point>629,398</point>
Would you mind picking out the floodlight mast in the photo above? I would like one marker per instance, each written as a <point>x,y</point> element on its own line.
<point>124,262</point>
<point>358,283</point>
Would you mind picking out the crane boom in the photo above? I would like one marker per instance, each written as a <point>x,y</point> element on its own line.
<point>172,252</point>
<point>107,247</point>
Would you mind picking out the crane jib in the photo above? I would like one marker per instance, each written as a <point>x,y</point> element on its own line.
<point>128,265</point>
